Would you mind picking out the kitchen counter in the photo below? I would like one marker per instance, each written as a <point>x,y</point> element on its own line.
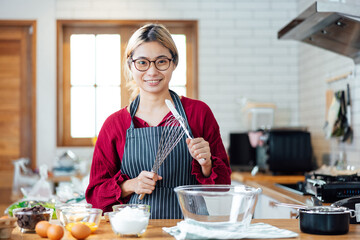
<point>154,231</point>
<point>284,179</point>
<point>268,185</point>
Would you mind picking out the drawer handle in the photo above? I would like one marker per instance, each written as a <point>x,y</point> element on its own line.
<point>293,214</point>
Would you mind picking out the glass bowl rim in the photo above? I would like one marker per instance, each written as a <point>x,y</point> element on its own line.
<point>73,205</point>
<point>146,206</point>
<point>21,212</point>
<point>198,189</point>
<point>81,210</point>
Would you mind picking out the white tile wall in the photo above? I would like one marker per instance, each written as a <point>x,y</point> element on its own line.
<point>315,67</point>
<point>239,56</point>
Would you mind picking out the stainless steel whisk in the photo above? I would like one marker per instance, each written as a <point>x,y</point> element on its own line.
<point>170,136</point>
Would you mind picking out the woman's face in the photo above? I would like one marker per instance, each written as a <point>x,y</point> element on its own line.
<point>152,80</point>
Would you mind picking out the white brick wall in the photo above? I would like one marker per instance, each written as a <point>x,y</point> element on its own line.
<point>315,67</point>
<point>239,55</point>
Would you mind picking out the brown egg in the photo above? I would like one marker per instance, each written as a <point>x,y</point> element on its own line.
<point>55,232</point>
<point>80,231</point>
<point>41,228</point>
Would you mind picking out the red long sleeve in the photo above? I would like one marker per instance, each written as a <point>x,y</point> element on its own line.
<point>105,175</point>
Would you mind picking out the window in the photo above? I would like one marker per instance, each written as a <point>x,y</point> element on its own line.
<point>91,84</point>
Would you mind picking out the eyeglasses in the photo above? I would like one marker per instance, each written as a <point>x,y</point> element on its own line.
<point>143,64</point>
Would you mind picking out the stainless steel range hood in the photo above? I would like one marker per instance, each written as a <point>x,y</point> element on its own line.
<point>332,26</point>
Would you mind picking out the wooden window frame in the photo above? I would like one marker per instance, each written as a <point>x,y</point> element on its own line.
<point>125,28</point>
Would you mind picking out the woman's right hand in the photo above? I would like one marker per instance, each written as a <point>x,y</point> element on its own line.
<point>144,183</point>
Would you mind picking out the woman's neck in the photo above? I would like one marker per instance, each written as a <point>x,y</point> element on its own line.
<point>150,101</point>
<point>152,107</point>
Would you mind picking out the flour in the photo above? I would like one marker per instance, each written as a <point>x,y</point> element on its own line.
<point>130,221</point>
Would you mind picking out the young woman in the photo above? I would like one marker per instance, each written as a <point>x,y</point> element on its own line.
<point>122,160</point>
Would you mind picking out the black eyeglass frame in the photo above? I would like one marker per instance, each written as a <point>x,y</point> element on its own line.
<point>154,61</point>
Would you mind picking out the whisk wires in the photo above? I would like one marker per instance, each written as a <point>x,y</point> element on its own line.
<point>170,136</point>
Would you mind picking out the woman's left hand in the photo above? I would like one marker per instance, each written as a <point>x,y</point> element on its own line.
<point>200,150</point>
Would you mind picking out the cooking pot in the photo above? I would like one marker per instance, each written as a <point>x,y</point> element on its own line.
<point>325,220</point>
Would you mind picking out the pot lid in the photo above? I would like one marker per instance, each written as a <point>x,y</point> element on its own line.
<point>324,210</point>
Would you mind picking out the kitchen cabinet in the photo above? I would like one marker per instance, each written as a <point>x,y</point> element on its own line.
<point>265,209</point>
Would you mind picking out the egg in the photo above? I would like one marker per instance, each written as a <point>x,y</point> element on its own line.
<point>41,228</point>
<point>55,232</point>
<point>80,231</point>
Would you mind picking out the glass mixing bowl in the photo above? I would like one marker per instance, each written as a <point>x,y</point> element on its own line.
<point>27,218</point>
<point>218,206</point>
<point>87,216</point>
<point>59,208</point>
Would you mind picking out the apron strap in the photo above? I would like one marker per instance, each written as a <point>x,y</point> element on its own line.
<point>133,107</point>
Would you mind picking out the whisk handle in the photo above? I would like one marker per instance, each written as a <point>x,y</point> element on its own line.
<point>141,196</point>
<point>189,149</point>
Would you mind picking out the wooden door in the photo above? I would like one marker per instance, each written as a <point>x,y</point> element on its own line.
<point>17,99</point>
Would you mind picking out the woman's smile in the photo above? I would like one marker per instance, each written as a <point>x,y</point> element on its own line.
<point>153,82</point>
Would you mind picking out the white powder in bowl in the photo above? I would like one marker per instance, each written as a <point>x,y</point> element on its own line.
<point>130,221</point>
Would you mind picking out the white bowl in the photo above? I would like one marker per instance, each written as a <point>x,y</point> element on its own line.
<point>129,219</point>
<point>218,206</point>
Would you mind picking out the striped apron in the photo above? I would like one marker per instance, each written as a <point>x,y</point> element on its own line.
<point>139,154</point>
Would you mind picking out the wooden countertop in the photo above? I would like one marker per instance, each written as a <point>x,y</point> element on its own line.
<point>284,179</point>
<point>154,231</point>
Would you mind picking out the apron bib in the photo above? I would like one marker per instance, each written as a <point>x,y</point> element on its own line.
<point>139,154</point>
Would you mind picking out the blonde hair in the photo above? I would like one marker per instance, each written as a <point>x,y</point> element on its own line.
<point>148,33</point>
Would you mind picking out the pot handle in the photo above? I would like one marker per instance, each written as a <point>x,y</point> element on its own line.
<point>352,213</point>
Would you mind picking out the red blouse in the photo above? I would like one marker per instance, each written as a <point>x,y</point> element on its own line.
<point>105,176</point>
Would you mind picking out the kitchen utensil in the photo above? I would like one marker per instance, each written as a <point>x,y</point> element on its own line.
<point>325,220</point>
<point>170,136</point>
<point>179,118</point>
<point>224,207</point>
<point>332,116</point>
<point>288,205</point>
<point>329,97</point>
<point>340,123</point>
<point>315,201</point>
<point>348,134</point>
